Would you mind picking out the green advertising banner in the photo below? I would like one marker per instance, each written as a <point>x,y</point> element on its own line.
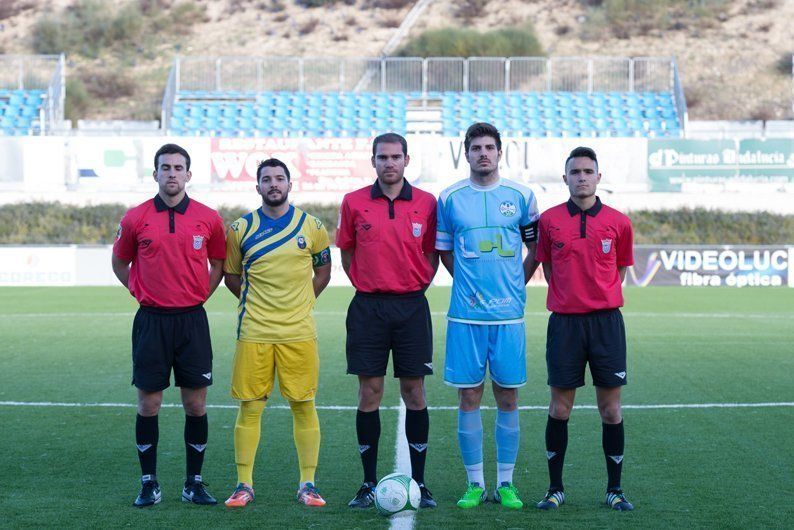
<point>674,163</point>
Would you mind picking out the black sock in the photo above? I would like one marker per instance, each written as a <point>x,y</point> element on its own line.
<point>147,433</point>
<point>368,430</point>
<point>196,429</point>
<point>417,427</point>
<point>612,440</point>
<point>556,444</point>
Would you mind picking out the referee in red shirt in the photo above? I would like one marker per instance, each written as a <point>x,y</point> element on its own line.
<point>585,247</point>
<point>160,255</point>
<point>386,235</point>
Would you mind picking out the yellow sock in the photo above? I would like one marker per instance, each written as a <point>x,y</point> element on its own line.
<point>247,429</point>
<point>306,430</point>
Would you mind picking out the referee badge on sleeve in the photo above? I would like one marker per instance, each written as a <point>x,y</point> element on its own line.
<point>606,245</point>
<point>417,229</point>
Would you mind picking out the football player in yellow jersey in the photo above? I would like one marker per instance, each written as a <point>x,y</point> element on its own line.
<point>278,262</point>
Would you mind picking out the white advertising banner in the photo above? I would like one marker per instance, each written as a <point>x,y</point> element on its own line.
<point>127,163</point>
<point>37,266</point>
<point>733,266</point>
<point>536,162</point>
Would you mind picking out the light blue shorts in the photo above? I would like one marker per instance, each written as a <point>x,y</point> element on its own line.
<point>470,347</point>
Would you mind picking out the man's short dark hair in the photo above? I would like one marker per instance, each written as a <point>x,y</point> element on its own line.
<point>582,152</point>
<point>172,149</point>
<point>390,138</point>
<point>271,162</point>
<point>478,130</point>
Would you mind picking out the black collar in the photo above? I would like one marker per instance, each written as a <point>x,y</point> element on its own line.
<point>592,211</point>
<point>161,206</point>
<point>406,193</point>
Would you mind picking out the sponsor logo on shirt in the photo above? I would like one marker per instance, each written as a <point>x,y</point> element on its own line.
<point>478,301</point>
<point>197,242</point>
<point>507,208</point>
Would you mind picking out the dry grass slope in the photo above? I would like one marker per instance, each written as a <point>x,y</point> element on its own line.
<point>734,54</point>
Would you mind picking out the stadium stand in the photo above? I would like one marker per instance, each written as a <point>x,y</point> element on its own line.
<point>335,114</point>
<point>20,112</point>
<point>31,94</point>
<point>382,96</point>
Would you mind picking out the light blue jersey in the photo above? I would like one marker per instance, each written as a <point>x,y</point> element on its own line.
<point>485,228</point>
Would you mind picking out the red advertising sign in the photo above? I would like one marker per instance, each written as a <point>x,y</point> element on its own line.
<point>316,164</point>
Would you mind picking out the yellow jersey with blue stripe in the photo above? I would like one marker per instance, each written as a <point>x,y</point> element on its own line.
<point>275,259</point>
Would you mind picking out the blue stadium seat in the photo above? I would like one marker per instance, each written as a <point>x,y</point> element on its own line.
<point>354,114</point>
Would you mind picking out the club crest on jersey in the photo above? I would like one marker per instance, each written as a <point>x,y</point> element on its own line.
<point>507,208</point>
<point>606,245</point>
<point>197,242</point>
<point>417,229</point>
<point>301,242</point>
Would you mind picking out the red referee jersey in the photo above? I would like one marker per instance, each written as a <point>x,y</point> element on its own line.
<point>389,239</point>
<point>169,248</point>
<point>585,249</point>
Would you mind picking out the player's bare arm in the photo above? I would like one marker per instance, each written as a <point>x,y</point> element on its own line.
<point>448,260</point>
<point>232,282</point>
<point>216,273</point>
<point>347,259</point>
<point>530,265</point>
<point>432,259</point>
<point>322,275</point>
<point>121,268</point>
<point>547,272</point>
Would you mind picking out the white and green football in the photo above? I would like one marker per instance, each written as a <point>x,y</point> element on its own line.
<point>396,493</point>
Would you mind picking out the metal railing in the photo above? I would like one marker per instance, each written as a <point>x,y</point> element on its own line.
<point>38,72</point>
<point>415,74</point>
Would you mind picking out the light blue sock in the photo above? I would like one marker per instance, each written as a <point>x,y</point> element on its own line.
<point>470,436</point>
<point>508,435</point>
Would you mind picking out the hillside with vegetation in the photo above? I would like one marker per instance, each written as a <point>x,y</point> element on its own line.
<point>734,55</point>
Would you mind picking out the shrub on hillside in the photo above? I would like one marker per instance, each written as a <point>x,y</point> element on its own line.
<point>90,27</point>
<point>454,42</point>
<point>625,18</point>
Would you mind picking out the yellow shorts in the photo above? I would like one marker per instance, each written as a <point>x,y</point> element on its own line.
<point>256,365</point>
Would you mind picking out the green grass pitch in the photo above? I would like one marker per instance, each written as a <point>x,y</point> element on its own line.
<point>694,467</point>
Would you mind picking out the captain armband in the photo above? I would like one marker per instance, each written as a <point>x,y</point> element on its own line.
<point>529,233</point>
<point>321,258</point>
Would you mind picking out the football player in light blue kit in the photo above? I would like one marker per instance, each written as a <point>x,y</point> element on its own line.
<point>483,223</point>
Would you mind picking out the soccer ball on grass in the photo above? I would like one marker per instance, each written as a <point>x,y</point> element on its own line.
<point>396,493</point>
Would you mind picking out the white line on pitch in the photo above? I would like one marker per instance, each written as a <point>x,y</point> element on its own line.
<point>782,404</point>
<point>402,464</point>
<point>231,313</point>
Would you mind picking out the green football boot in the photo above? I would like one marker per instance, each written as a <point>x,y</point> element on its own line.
<point>474,496</point>
<point>507,496</point>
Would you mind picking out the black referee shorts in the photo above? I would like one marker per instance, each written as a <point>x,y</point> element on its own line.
<point>163,339</point>
<point>379,323</point>
<point>597,338</point>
